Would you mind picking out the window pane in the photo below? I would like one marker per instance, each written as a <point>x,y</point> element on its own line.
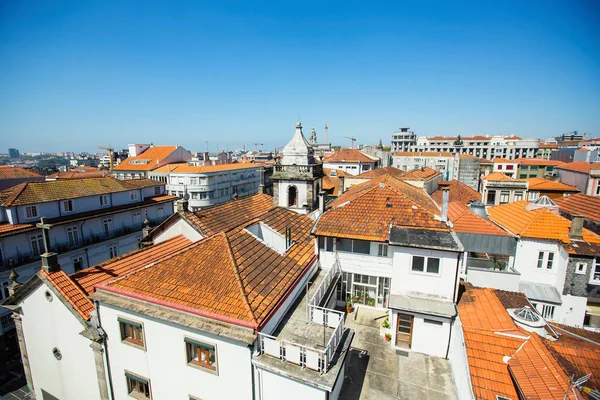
<point>362,246</point>
<point>344,244</point>
<point>329,242</point>
<point>418,263</point>
<point>433,265</point>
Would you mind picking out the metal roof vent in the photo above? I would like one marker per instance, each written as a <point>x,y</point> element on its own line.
<point>526,314</point>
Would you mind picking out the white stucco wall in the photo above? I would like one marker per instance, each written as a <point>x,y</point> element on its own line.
<point>494,279</point>
<point>572,310</point>
<point>459,362</point>
<point>406,281</point>
<point>302,189</point>
<point>178,228</point>
<point>164,362</point>
<point>526,259</point>
<point>426,338</point>
<point>270,386</point>
<point>47,325</point>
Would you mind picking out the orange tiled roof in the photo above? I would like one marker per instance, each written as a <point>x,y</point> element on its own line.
<point>466,156</point>
<point>332,182</point>
<point>581,204</point>
<point>464,220</point>
<point>538,161</point>
<point>497,176</point>
<point>77,287</point>
<point>366,211</point>
<point>231,276</point>
<point>151,157</point>
<point>467,138</point>
<point>41,192</point>
<point>540,223</point>
<point>377,172</point>
<point>579,166</point>
<point>485,161</point>
<point>458,192</point>
<point>504,160</point>
<point>537,373</point>
<point>71,292</point>
<point>423,173</point>
<point>80,172</point>
<point>548,145</point>
<point>16,173</point>
<point>546,185</point>
<point>228,215</point>
<point>185,168</point>
<point>349,155</point>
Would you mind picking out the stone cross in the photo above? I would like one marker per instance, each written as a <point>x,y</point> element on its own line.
<point>46,232</point>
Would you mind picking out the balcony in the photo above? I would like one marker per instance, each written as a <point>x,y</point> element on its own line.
<point>23,258</point>
<point>308,342</point>
<point>297,171</point>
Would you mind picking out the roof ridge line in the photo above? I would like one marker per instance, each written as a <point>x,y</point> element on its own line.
<point>239,279</point>
<point>64,295</point>
<point>15,194</point>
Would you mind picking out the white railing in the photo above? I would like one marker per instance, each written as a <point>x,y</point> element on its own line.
<point>330,278</point>
<point>333,343</point>
<point>304,356</point>
<point>325,316</point>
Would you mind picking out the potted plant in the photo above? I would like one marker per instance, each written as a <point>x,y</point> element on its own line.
<point>349,307</point>
<point>388,337</point>
<point>385,327</point>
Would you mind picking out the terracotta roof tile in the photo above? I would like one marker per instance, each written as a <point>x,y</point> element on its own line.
<point>424,154</point>
<point>377,172</point>
<point>231,276</point>
<point>548,185</point>
<point>71,292</point>
<point>80,172</point>
<point>423,173</point>
<point>497,176</point>
<point>459,192</point>
<point>146,161</point>
<point>350,155</point>
<point>185,168</point>
<point>540,223</point>
<point>538,161</point>
<point>332,182</point>
<point>581,204</point>
<point>366,211</point>
<point>504,160</point>
<point>225,216</point>
<point>40,192</point>
<point>579,166</point>
<point>16,173</point>
<point>464,220</point>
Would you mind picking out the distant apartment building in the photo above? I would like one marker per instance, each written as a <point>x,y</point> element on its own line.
<point>506,167</point>
<point>403,140</point>
<point>144,158</point>
<point>463,167</point>
<point>536,168</point>
<point>206,158</point>
<point>210,185</point>
<point>497,188</point>
<point>12,176</point>
<point>86,221</point>
<point>588,154</point>
<point>13,153</point>
<point>546,148</point>
<point>351,161</point>
<point>509,147</point>
<point>583,175</point>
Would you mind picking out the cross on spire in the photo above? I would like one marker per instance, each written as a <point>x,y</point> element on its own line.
<point>46,233</point>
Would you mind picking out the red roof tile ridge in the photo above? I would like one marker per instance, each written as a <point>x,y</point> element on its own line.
<point>89,305</point>
<point>239,280</point>
<point>15,191</point>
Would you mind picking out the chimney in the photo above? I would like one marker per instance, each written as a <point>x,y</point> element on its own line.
<point>576,232</point>
<point>49,258</point>
<point>181,206</point>
<point>340,185</point>
<point>261,185</point>
<point>288,237</point>
<point>445,201</point>
<point>478,208</point>
<point>322,201</point>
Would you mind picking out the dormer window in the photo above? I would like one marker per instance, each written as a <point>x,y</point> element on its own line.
<point>133,195</point>
<point>270,237</point>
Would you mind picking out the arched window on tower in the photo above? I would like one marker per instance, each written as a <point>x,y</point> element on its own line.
<point>292,196</point>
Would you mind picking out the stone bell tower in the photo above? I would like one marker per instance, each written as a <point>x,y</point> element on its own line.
<point>297,176</point>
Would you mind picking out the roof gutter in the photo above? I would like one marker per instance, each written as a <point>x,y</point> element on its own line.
<point>202,313</point>
<point>287,294</point>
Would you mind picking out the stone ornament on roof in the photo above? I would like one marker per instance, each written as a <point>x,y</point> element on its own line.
<point>298,151</point>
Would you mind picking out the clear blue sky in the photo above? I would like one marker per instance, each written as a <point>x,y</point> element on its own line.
<point>74,75</point>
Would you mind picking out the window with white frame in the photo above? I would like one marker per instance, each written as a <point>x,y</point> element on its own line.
<point>581,268</point>
<point>156,190</point>
<point>193,181</point>
<point>103,200</point>
<point>137,217</point>
<point>78,263</point>
<point>518,196</point>
<point>31,212</point>
<point>382,250</point>
<point>73,236</point>
<point>107,226</point>
<point>113,251</point>
<point>37,244</point>
<point>430,265</point>
<point>133,195</point>
<point>504,196</point>
<point>353,246</point>
<point>4,284</point>
<point>546,310</point>
<point>67,206</point>
<point>545,259</point>
<point>325,243</point>
<point>160,211</point>
<point>595,275</point>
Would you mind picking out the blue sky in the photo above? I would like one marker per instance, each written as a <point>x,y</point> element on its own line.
<point>75,75</point>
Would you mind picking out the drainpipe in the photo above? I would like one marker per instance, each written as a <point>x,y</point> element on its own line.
<point>250,347</point>
<point>110,384</point>
<point>456,278</point>
<point>450,335</point>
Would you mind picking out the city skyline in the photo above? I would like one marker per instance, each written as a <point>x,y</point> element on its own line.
<point>78,76</point>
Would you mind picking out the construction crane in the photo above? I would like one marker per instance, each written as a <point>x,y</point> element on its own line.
<point>258,144</point>
<point>353,139</point>
<point>110,154</point>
